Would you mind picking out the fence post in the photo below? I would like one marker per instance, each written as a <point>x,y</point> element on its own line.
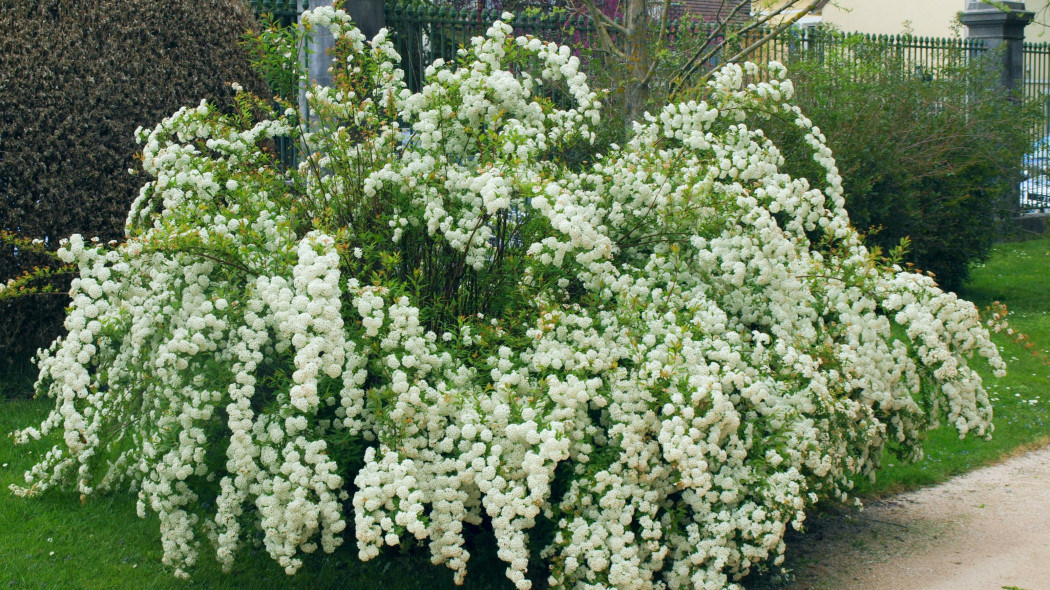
<point>367,15</point>
<point>996,24</point>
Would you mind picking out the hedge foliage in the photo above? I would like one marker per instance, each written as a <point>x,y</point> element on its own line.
<point>932,156</point>
<point>77,77</point>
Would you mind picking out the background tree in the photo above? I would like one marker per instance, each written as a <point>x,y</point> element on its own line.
<point>636,41</point>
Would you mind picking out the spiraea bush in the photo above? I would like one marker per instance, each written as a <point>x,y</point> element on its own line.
<point>637,370</point>
<point>77,77</point>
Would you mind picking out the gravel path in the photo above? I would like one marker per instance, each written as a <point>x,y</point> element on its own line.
<point>986,530</point>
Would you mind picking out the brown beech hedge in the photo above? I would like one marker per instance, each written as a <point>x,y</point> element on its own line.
<point>77,77</point>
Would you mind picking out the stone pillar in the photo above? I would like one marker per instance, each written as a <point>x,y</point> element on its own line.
<point>998,24</point>
<point>367,15</point>
<point>317,59</point>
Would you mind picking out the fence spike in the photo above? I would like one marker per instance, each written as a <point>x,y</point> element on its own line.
<point>579,22</point>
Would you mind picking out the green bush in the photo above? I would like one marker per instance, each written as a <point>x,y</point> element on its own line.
<point>77,77</point>
<point>931,156</point>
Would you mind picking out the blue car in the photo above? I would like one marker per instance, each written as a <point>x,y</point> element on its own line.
<point>1035,188</point>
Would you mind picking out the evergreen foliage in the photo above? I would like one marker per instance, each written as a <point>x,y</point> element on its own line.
<point>929,157</point>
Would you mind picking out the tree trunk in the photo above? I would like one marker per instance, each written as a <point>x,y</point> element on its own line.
<point>638,60</point>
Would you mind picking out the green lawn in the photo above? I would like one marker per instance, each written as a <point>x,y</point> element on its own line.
<point>57,542</point>
<point>1018,275</point>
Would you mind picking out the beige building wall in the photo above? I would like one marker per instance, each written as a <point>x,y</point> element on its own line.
<point>1039,30</point>
<point>925,18</point>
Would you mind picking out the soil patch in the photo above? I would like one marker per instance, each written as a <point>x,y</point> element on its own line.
<point>988,529</point>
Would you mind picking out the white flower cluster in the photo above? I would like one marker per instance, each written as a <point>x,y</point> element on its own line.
<point>663,355</point>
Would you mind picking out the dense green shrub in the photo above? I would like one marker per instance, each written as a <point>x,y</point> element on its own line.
<point>928,156</point>
<point>77,77</point>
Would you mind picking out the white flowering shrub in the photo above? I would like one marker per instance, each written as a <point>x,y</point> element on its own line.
<point>637,369</point>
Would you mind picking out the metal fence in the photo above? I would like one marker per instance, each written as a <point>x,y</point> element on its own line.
<point>924,57</point>
<point>285,11</point>
<point>424,33</point>
<point>1035,189</point>
<point>1037,74</point>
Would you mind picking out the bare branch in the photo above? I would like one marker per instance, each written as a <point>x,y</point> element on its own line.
<point>701,57</point>
<point>779,29</point>
<point>602,24</point>
<point>659,41</point>
<point>612,24</point>
<point>663,22</point>
<point>597,16</point>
